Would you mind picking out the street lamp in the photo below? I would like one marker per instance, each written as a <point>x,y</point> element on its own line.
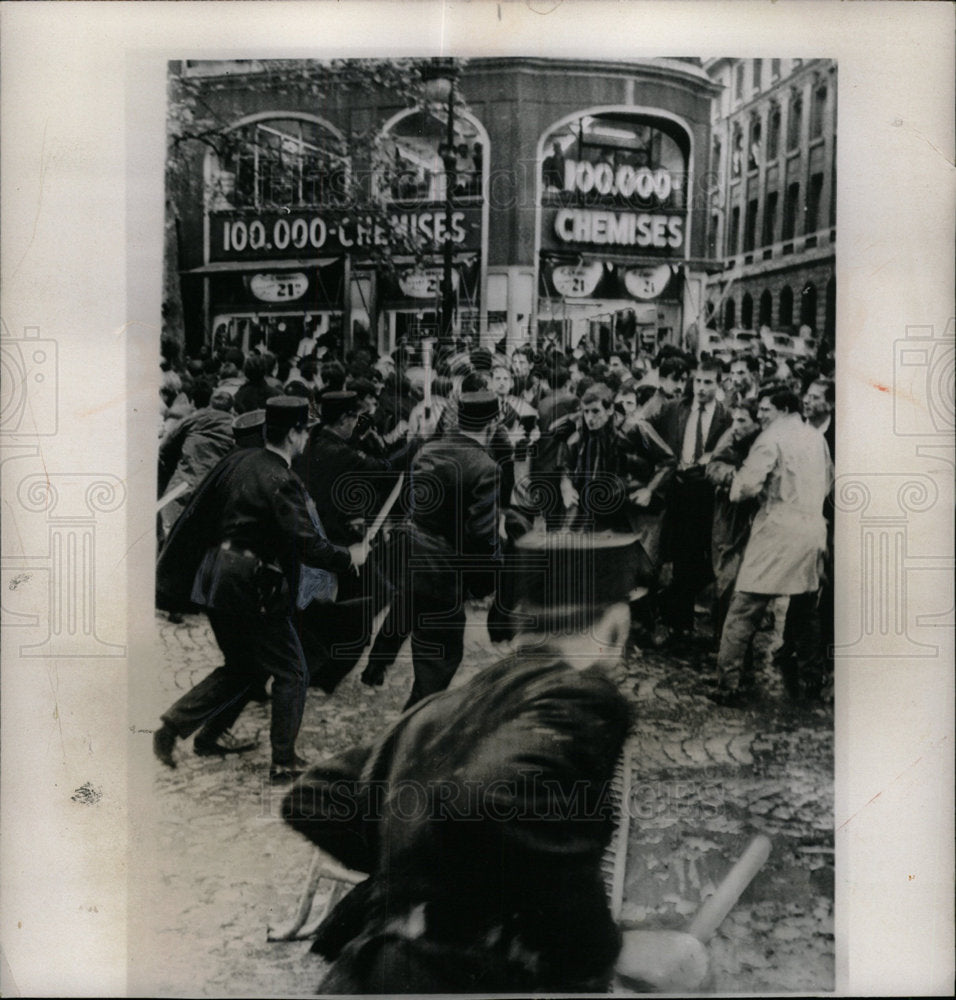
<point>439,77</point>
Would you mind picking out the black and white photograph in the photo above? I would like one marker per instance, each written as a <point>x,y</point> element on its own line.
<point>495,491</point>
<point>470,527</point>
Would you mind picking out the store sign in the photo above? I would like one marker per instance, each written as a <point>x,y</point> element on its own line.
<point>289,235</point>
<point>623,181</point>
<point>577,282</point>
<point>279,287</point>
<point>615,184</point>
<point>595,227</point>
<point>647,282</point>
<point>424,284</point>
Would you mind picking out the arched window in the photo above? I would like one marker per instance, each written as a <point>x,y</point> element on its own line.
<point>765,317</point>
<point>785,312</point>
<point>412,157</point>
<point>730,314</point>
<point>808,306</point>
<point>747,311</point>
<point>283,161</point>
<point>711,314</point>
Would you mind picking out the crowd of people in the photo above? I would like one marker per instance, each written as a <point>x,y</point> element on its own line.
<point>331,505</point>
<point>674,448</point>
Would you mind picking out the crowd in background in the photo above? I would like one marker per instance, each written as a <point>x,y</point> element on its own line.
<point>652,444</point>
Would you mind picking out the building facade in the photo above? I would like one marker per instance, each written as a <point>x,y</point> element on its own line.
<point>563,197</point>
<point>772,175</point>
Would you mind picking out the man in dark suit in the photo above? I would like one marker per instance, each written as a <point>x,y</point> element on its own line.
<point>691,427</point>
<point>453,538</point>
<point>482,815</point>
<point>240,550</point>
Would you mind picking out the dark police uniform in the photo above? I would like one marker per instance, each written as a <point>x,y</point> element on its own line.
<point>481,816</point>
<point>249,524</point>
<point>345,484</point>
<point>453,548</point>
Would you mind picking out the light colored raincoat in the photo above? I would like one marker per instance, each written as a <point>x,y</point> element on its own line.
<point>789,468</point>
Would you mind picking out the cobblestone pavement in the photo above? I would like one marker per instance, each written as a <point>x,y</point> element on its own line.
<point>705,780</point>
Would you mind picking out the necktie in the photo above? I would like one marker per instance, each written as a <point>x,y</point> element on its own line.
<point>699,436</point>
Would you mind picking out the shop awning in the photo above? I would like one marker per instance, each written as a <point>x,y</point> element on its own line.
<point>232,266</point>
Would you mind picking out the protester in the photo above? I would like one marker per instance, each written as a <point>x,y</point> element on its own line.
<point>195,446</point>
<point>731,525</point>
<point>691,430</point>
<point>789,467</point>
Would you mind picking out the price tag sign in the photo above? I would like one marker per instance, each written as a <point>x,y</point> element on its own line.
<point>577,282</point>
<point>647,282</point>
<point>282,287</point>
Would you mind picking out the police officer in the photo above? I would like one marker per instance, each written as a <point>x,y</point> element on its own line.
<point>337,474</point>
<point>454,543</point>
<point>482,814</point>
<point>251,532</point>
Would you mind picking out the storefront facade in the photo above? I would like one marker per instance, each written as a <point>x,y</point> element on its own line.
<point>571,209</point>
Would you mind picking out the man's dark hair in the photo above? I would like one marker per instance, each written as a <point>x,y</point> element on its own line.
<point>333,376</point>
<point>673,367</point>
<point>750,360</point>
<point>786,400</point>
<point>202,393</point>
<point>644,393</point>
<point>474,382</point>
<point>710,365</point>
<point>770,388</point>
<point>256,368</point>
<point>560,377</point>
<point>623,354</point>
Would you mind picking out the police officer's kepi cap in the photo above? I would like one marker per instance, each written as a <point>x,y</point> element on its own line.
<point>336,404</point>
<point>248,428</point>
<point>289,412</point>
<point>476,410</point>
<point>563,569</point>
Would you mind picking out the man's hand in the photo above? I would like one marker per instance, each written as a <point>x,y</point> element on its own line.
<point>358,553</point>
<point>569,494</point>
<point>641,497</point>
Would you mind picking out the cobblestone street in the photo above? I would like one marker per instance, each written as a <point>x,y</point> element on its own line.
<point>705,781</point>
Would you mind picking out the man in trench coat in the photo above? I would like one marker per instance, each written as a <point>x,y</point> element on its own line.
<point>789,467</point>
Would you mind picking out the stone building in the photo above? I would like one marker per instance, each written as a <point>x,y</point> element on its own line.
<point>772,204</point>
<point>576,205</point>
